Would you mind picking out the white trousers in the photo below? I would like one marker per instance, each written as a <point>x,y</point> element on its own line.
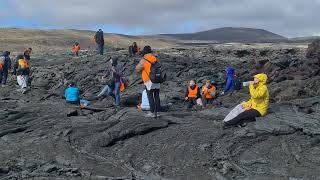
<point>22,81</point>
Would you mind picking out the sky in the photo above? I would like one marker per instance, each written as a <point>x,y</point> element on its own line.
<point>290,18</point>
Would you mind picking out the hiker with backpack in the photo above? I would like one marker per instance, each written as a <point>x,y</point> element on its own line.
<point>99,40</point>
<point>22,71</point>
<point>114,77</point>
<point>5,66</point>
<point>193,96</point>
<point>151,72</point>
<point>257,106</point>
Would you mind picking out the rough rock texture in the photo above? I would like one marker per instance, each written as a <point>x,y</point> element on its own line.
<point>38,141</point>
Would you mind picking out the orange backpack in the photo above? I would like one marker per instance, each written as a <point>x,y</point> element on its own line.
<point>2,63</point>
<point>23,64</point>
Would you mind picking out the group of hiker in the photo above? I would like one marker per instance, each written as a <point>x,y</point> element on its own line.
<point>21,69</point>
<point>152,75</point>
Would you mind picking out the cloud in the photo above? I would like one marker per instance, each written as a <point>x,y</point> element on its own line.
<point>287,17</point>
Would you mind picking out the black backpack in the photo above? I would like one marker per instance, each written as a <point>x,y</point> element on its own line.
<point>237,83</point>
<point>156,74</point>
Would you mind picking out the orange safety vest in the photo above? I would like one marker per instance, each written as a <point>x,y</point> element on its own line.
<point>151,59</point>
<point>23,64</point>
<point>76,48</point>
<point>193,93</point>
<point>207,92</point>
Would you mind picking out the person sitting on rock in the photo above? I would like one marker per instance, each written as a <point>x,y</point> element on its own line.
<point>133,49</point>
<point>208,93</point>
<point>72,94</point>
<point>193,95</point>
<point>27,53</point>
<point>22,71</point>
<point>257,105</point>
<point>114,75</point>
<point>76,49</point>
<point>229,86</point>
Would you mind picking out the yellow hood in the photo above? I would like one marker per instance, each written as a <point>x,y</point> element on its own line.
<point>263,78</point>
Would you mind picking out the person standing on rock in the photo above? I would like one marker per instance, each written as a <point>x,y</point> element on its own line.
<point>229,86</point>
<point>257,106</point>
<point>27,53</point>
<point>76,49</point>
<point>99,40</point>
<point>193,95</point>
<point>22,71</point>
<point>5,66</point>
<point>114,75</point>
<point>153,88</point>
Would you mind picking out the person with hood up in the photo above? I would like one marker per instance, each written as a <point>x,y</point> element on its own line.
<point>99,40</point>
<point>257,106</point>
<point>229,86</point>
<point>5,65</point>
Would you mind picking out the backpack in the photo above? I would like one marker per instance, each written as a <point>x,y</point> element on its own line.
<point>2,63</point>
<point>23,64</point>
<point>123,84</point>
<point>156,74</point>
<point>237,83</point>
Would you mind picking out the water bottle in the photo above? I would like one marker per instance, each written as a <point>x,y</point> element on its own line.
<point>246,84</point>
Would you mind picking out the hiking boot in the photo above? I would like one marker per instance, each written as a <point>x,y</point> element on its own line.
<point>150,115</point>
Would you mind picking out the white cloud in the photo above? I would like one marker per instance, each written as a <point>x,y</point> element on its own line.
<point>287,17</point>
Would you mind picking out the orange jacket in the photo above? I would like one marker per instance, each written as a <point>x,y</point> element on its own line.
<point>193,93</point>
<point>150,59</point>
<point>207,92</point>
<point>76,48</point>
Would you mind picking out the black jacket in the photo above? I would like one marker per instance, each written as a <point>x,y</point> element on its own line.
<point>99,37</point>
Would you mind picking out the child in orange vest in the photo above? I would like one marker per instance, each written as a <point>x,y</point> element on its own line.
<point>208,93</point>
<point>76,49</point>
<point>193,95</point>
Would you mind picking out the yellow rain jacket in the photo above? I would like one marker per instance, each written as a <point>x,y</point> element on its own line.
<point>259,96</point>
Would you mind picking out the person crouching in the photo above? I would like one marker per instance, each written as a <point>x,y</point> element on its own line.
<point>193,95</point>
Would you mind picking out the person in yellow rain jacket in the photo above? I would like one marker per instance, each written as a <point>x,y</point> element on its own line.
<point>257,106</point>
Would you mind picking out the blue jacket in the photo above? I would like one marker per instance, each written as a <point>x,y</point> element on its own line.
<point>229,82</point>
<point>7,64</point>
<point>72,94</point>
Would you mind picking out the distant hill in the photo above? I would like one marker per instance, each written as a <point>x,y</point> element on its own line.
<point>228,35</point>
<point>14,39</point>
<point>306,39</point>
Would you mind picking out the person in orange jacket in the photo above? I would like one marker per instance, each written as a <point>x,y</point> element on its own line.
<point>76,49</point>
<point>208,93</point>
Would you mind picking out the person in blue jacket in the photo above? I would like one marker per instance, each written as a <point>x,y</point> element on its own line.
<point>72,94</point>
<point>230,80</point>
<point>5,66</point>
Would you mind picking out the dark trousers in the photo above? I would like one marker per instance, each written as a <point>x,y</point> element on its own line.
<point>100,48</point>
<point>246,116</point>
<point>206,101</point>
<point>3,77</point>
<point>154,100</point>
<point>191,102</point>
